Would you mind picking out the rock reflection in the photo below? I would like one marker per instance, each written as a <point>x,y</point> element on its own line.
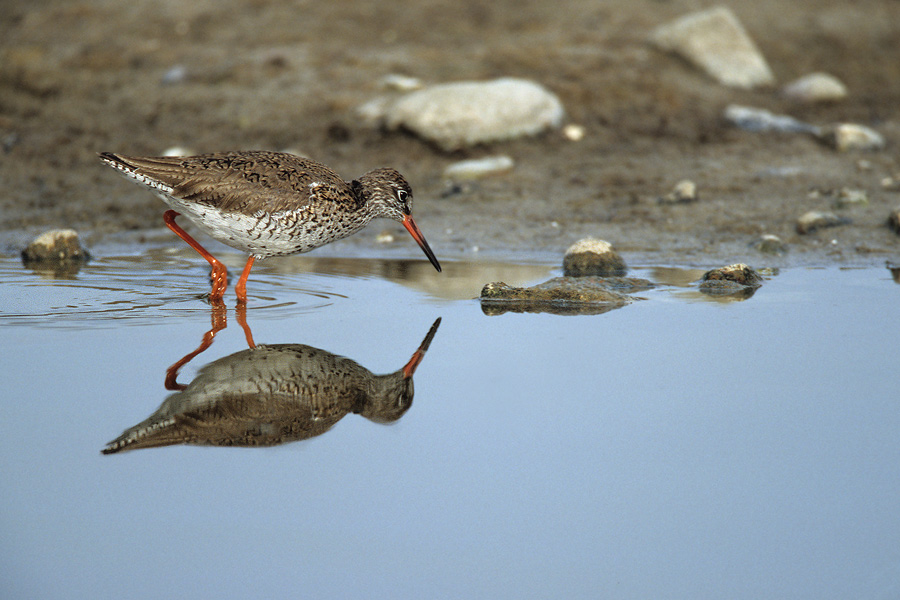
<point>269,395</point>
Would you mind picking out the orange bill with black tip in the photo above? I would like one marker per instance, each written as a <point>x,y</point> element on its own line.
<point>413,230</point>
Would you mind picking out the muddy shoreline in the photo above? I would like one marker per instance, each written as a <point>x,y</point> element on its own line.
<point>82,77</point>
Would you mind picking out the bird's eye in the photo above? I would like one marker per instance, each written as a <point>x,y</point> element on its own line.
<point>403,195</point>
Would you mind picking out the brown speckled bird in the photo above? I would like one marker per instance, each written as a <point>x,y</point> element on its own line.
<point>268,203</point>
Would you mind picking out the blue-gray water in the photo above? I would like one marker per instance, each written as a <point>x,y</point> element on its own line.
<point>679,447</point>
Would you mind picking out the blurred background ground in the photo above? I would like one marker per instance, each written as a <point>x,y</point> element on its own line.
<point>82,76</point>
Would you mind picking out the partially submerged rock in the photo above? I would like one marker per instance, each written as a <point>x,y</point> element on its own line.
<point>591,256</point>
<point>55,247</point>
<point>467,113</point>
<point>716,42</point>
<point>733,280</point>
<point>560,295</point>
<point>816,219</point>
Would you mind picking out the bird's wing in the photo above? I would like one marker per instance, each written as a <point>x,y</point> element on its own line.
<point>238,181</point>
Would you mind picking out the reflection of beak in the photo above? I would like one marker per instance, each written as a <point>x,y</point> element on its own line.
<point>410,367</point>
<point>420,239</point>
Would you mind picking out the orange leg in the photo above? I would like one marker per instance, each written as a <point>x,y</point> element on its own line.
<point>240,287</point>
<point>241,312</point>
<point>218,318</point>
<point>219,275</point>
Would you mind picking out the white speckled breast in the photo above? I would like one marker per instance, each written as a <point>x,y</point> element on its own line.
<point>267,234</point>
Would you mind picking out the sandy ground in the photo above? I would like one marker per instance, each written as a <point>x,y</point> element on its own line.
<point>77,77</point>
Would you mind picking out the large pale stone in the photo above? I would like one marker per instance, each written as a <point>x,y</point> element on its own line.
<point>715,41</point>
<point>456,115</point>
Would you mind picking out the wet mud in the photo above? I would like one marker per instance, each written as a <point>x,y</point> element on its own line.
<point>81,77</point>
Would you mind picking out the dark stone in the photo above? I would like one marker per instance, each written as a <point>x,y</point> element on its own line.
<point>560,295</point>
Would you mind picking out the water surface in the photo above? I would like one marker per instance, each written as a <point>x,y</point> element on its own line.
<point>679,447</point>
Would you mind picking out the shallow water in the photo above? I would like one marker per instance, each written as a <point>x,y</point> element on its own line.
<point>679,447</point>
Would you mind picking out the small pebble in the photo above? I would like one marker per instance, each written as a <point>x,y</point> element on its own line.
<point>716,42</point>
<point>891,184</point>
<point>770,244</point>
<point>685,191</point>
<point>385,237</point>
<point>591,256</point>
<point>573,133</point>
<point>894,220</point>
<point>401,83</point>
<point>848,197</point>
<point>850,136</point>
<point>814,88</point>
<point>478,168</point>
<point>55,246</point>
<point>176,74</point>
<point>814,219</point>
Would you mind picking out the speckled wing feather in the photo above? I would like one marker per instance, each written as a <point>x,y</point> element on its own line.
<point>243,181</point>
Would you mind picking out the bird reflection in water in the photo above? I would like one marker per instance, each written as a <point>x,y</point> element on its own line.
<point>269,395</point>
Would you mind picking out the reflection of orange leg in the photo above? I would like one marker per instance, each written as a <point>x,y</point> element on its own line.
<point>240,287</point>
<point>219,275</point>
<point>241,313</point>
<point>219,321</point>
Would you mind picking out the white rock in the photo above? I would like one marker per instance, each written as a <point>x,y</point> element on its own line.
<point>715,41</point>
<point>815,87</point>
<point>850,136</point>
<point>455,115</point>
<point>592,256</point>
<point>57,245</point>
<point>480,167</point>
<point>815,219</point>
<point>684,191</point>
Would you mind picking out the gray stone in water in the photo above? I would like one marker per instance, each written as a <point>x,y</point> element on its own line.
<point>591,256</point>
<point>560,295</point>
<point>815,219</point>
<point>467,113</point>
<point>716,42</point>
<point>814,88</point>
<point>738,273</point>
<point>759,119</point>
<point>55,246</point>
<point>733,280</point>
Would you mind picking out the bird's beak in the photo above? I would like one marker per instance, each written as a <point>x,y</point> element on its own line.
<point>420,239</point>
